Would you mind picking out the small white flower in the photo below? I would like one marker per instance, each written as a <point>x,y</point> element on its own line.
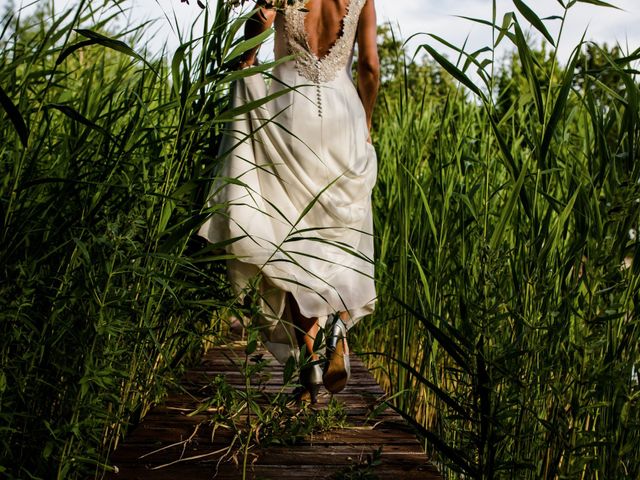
<point>633,234</point>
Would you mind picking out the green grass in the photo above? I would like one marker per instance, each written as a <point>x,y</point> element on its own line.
<point>104,296</point>
<point>506,328</point>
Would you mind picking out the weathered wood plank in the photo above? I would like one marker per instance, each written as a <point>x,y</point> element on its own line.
<point>319,454</point>
<point>173,432</point>
<point>185,445</point>
<point>266,472</point>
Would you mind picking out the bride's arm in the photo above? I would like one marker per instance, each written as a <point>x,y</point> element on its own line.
<point>261,20</point>
<point>368,61</point>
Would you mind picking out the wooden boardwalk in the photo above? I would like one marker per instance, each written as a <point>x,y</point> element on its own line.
<point>179,440</point>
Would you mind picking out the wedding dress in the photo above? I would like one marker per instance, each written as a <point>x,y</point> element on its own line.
<point>296,186</point>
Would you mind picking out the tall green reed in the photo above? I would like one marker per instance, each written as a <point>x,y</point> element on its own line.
<point>508,326</point>
<point>104,294</point>
<point>504,210</point>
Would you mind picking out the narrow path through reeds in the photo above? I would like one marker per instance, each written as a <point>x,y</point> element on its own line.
<point>230,419</point>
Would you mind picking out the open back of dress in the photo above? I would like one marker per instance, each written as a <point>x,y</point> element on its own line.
<point>299,210</point>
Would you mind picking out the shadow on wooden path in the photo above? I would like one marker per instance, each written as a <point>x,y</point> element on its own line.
<point>173,443</point>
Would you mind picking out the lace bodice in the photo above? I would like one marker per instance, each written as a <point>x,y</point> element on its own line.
<point>325,69</point>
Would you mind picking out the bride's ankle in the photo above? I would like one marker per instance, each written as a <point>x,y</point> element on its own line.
<point>305,357</point>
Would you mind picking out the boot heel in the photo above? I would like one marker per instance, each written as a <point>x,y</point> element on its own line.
<point>314,390</point>
<point>311,381</point>
<point>337,368</point>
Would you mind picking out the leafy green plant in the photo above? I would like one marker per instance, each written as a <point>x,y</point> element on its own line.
<point>508,330</point>
<point>505,214</point>
<point>363,470</point>
<point>105,296</point>
<point>257,419</point>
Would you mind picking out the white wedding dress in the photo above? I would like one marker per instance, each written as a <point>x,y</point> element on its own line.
<point>297,213</point>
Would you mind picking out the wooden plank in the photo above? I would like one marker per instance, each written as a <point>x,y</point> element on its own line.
<point>158,433</point>
<point>169,435</point>
<point>318,454</point>
<point>266,472</point>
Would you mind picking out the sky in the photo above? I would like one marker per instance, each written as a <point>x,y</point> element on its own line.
<point>438,17</point>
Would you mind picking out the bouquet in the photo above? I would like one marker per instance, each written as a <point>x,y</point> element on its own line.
<point>275,4</point>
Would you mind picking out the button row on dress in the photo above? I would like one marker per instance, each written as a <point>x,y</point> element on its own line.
<point>319,99</point>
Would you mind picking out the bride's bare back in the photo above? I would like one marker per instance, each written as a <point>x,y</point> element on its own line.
<point>323,27</point>
<point>324,24</point>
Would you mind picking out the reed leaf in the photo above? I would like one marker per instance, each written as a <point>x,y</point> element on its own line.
<point>531,16</point>
<point>16,118</point>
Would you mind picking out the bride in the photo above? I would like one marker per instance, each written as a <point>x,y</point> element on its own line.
<point>295,184</point>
